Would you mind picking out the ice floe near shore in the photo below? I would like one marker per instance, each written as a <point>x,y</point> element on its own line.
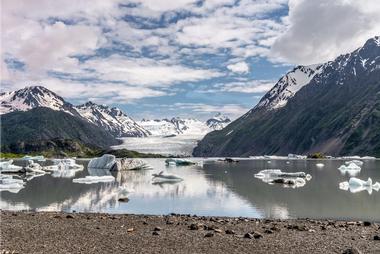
<point>178,162</point>
<point>293,179</point>
<point>165,178</point>
<point>351,169</point>
<point>8,167</point>
<point>94,179</point>
<point>8,183</point>
<point>355,185</point>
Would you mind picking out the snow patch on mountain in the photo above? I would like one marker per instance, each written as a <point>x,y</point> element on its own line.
<point>184,126</point>
<point>32,97</point>
<point>289,85</point>
<point>112,119</point>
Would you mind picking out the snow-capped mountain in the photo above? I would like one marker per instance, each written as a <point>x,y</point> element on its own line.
<point>288,86</point>
<point>33,97</point>
<point>184,126</point>
<point>331,108</point>
<point>112,119</point>
<point>218,122</point>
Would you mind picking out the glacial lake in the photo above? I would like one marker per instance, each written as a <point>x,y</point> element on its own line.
<point>209,188</point>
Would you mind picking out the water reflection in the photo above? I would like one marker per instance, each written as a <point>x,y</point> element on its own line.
<point>214,188</point>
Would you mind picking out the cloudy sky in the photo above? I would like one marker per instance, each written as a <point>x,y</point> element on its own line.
<point>163,58</point>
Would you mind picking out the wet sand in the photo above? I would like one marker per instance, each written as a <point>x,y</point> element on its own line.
<point>51,232</point>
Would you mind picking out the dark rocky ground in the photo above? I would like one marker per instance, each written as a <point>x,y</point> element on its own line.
<point>48,232</point>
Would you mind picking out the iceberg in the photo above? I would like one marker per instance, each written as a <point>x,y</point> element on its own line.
<point>33,167</point>
<point>94,179</point>
<point>357,162</point>
<point>8,183</point>
<point>355,185</point>
<point>179,162</point>
<point>164,178</point>
<point>272,176</point>
<point>297,157</point>
<point>8,167</point>
<point>130,164</point>
<point>320,165</point>
<point>107,161</point>
<point>64,168</point>
<point>34,158</point>
<point>352,169</point>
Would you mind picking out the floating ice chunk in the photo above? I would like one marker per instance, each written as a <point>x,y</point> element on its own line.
<point>352,169</point>
<point>8,167</point>
<point>131,164</point>
<point>124,190</point>
<point>297,157</point>
<point>357,162</point>
<point>179,162</point>
<point>107,161</point>
<point>35,158</point>
<point>8,183</point>
<point>34,167</point>
<point>355,185</point>
<point>64,168</point>
<point>94,179</point>
<point>295,179</point>
<point>162,178</point>
<point>368,158</point>
<point>320,165</point>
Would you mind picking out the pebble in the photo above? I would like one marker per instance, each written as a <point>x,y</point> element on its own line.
<point>248,236</point>
<point>367,223</point>
<point>156,233</point>
<point>130,230</point>
<point>230,232</point>
<point>69,216</point>
<point>194,226</point>
<point>268,231</point>
<point>216,230</point>
<point>352,250</point>
<point>209,234</point>
<point>157,229</point>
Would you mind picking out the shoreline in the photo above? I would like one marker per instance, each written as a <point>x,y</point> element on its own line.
<point>59,232</point>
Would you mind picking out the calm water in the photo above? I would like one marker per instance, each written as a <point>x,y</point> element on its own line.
<point>212,189</point>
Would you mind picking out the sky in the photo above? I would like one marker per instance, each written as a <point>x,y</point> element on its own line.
<point>165,58</point>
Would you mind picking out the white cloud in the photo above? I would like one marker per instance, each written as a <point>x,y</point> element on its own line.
<point>240,67</point>
<point>147,72</point>
<point>254,86</point>
<point>233,110</point>
<point>319,31</point>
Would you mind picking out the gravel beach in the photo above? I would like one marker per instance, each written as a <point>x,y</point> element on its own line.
<point>51,232</point>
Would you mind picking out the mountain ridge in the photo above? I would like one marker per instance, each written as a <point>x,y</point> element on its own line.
<point>337,113</point>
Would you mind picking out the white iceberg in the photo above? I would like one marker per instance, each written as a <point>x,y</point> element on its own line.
<point>165,178</point>
<point>355,185</point>
<point>107,161</point>
<point>131,164</point>
<point>179,162</point>
<point>297,157</point>
<point>294,179</point>
<point>352,169</point>
<point>357,162</point>
<point>64,168</point>
<point>34,167</point>
<point>8,183</point>
<point>35,158</point>
<point>8,167</point>
<point>320,165</point>
<point>94,179</point>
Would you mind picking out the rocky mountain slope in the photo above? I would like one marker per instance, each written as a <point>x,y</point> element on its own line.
<point>337,112</point>
<point>111,119</point>
<point>42,129</point>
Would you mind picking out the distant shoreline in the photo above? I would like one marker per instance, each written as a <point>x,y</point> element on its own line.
<point>57,232</point>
